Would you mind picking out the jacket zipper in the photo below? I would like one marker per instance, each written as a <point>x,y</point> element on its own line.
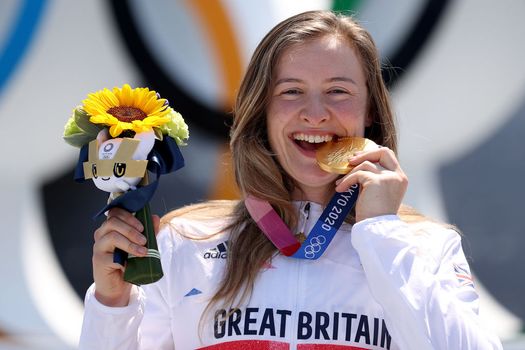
<point>305,214</point>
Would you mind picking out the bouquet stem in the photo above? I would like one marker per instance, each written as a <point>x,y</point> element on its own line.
<point>145,270</point>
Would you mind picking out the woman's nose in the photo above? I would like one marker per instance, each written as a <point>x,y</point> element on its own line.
<point>315,112</point>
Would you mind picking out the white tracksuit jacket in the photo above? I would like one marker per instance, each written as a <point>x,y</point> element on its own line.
<point>381,284</point>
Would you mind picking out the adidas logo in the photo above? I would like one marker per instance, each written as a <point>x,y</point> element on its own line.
<point>219,252</point>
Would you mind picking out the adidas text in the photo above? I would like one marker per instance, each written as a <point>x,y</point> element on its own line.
<point>215,255</point>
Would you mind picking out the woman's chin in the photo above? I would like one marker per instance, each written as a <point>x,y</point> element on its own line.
<point>317,179</point>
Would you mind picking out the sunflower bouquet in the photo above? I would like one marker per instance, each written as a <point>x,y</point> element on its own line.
<point>124,135</point>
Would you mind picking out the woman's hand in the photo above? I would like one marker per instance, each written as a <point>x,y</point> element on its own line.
<point>120,230</point>
<point>381,180</point>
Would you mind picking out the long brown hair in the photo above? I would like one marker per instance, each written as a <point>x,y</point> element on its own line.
<point>257,171</point>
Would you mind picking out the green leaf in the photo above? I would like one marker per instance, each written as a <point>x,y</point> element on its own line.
<point>78,140</point>
<point>82,120</point>
<point>71,127</point>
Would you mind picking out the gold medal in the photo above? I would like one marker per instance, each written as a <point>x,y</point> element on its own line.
<point>333,156</point>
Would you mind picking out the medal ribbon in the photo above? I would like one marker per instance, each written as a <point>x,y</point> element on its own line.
<point>319,237</point>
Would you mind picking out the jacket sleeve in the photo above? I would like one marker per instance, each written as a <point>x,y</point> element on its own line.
<point>111,327</point>
<point>422,280</point>
<point>142,325</point>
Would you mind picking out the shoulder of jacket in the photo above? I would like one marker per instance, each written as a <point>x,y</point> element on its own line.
<point>182,231</point>
<point>428,235</point>
<point>435,230</point>
<point>440,240</point>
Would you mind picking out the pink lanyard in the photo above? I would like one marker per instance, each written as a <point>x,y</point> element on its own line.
<point>321,234</point>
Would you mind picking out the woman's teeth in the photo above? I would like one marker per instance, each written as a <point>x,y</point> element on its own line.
<point>312,138</point>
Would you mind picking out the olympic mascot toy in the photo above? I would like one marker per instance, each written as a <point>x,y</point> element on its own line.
<point>124,135</point>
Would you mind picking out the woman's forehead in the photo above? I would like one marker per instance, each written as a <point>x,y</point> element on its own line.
<point>331,56</point>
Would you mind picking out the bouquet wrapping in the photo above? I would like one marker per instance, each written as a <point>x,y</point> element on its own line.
<point>128,138</point>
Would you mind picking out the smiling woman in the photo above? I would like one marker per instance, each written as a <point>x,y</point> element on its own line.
<point>302,263</point>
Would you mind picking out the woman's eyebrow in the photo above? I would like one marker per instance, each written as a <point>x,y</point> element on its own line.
<point>345,79</point>
<point>288,80</point>
<point>330,80</point>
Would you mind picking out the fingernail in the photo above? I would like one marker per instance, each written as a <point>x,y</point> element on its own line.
<point>143,250</point>
<point>142,240</point>
<point>338,181</point>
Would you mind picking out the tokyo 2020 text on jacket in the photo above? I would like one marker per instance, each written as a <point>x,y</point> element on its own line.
<point>381,284</point>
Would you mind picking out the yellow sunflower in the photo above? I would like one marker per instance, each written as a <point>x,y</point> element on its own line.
<point>138,109</point>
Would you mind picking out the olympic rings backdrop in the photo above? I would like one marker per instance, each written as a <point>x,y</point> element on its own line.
<point>458,85</point>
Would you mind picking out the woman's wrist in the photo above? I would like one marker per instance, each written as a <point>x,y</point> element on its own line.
<point>120,300</point>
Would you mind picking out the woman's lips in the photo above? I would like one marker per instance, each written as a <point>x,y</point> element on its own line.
<point>309,143</point>
<point>307,146</point>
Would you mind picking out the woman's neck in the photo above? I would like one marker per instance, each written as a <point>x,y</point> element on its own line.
<point>319,195</point>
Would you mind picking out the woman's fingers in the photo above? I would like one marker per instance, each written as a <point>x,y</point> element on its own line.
<point>358,175</point>
<point>383,156</point>
<point>117,225</point>
<point>126,216</point>
<point>114,239</point>
<point>121,230</point>
<point>381,180</point>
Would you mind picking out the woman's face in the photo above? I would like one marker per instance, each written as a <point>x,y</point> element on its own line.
<point>320,93</point>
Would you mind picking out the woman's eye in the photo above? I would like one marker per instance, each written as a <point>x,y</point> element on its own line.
<point>338,91</point>
<point>291,92</point>
<point>337,94</point>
